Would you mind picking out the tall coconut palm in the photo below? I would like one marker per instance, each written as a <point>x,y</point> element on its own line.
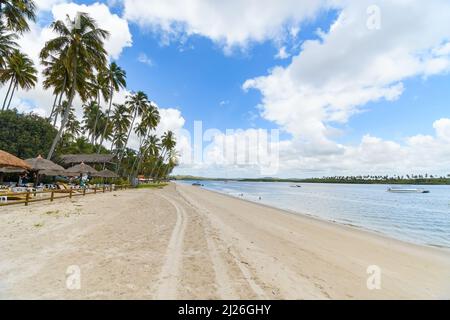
<point>15,13</point>
<point>98,89</point>
<point>149,121</point>
<point>116,79</point>
<point>73,126</point>
<point>56,77</point>
<point>168,144</point>
<point>7,45</point>
<point>150,149</point>
<point>80,47</point>
<point>20,72</point>
<point>137,103</point>
<point>90,119</point>
<point>120,121</point>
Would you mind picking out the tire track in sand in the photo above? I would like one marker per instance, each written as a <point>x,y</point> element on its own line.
<point>225,289</point>
<point>169,276</point>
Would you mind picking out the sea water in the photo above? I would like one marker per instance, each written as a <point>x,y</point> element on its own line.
<point>412,217</point>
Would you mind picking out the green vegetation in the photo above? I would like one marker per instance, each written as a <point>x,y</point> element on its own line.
<point>25,135</point>
<point>152,185</point>
<point>76,65</point>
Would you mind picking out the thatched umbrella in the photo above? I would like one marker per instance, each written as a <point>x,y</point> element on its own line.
<point>80,169</point>
<point>10,161</point>
<point>40,164</point>
<point>106,174</point>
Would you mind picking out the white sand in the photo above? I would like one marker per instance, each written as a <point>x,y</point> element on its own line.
<point>188,243</point>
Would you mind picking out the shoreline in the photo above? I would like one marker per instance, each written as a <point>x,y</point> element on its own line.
<point>351,227</point>
<point>182,242</point>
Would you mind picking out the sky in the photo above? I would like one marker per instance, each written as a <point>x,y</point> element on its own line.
<point>283,88</point>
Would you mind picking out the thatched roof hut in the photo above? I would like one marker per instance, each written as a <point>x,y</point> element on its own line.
<point>71,159</point>
<point>106,174</point>
<point>81,168</point>
<point>10,161</point>
<point>40,164</point>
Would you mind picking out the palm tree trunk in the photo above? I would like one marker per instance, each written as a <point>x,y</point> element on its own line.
<point>102,137</point>
<point>54,106</point>
<point>12,95</point>
<point>126,142</point>
<point>7,93</point>
<point>55,109</point>
<point>67,111</point>
<point>59,106</point>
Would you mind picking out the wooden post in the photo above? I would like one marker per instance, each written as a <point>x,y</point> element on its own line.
<point>104,188</point>
<point>27,198</point>
<point>95,190</point>
<point>70,193</point>
<point>84,192</point>
<point>52,196</point>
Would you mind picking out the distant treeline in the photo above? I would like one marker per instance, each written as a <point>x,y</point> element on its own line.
<point>406,180</point>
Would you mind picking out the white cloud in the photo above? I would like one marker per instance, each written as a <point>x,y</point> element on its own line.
<point>352,65</point>
<point>143,58</point>
<point>282,54</point>
<point>231,23</point>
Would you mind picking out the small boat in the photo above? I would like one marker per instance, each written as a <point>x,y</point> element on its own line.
<point>408,190</point>
<point>197,184</point>
<point>296,186</point>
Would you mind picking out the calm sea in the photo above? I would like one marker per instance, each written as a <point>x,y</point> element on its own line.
<point>412,217</point>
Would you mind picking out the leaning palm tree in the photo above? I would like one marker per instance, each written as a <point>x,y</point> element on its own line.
<point>98,88</point>
<point>80,47</point>
<point>7,45</point>
<point>116,79</point>
<point>20,72</point>
<point>15,13</point>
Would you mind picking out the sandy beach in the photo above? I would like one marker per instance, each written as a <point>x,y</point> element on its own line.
<point>183,242</point>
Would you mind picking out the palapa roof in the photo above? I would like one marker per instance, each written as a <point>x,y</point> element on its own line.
<point>52,173</point>
<point>11,170</point>
<point>106,174</point>
<point>86,158</point>
<point>8,160</point>
<point>81,168</point>
<point>39,163</point>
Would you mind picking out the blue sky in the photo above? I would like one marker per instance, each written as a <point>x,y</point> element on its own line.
<point>344,92</point>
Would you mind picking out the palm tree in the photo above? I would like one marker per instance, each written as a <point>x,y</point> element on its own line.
<point>80,47</point>
<point>20,72</point>
<point>149,149</point>
<point>116,79</point>
<point>150,120</point>
<point>15,13</point>
<point>98,89</point>
<point>168,144</point>
<point>73,126</point>
<point>7,45</point>
<point>90,119</point>
<point>137,103</point>
<point>121,121</point>
<point>56,76</point>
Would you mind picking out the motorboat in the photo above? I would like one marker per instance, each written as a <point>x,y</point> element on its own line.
<point>408,190</point>
<point>197,184</point>
<point>296,186</point>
